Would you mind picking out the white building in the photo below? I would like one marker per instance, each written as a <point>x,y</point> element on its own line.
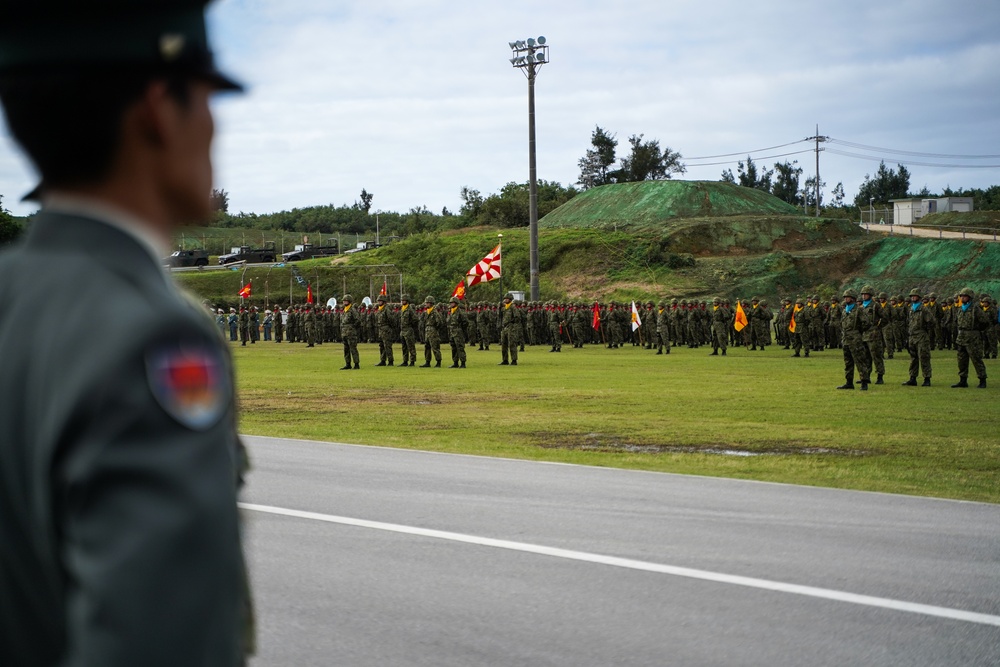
<point>908,211</point>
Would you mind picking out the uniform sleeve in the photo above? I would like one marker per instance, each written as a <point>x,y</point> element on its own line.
<point>148,516</point>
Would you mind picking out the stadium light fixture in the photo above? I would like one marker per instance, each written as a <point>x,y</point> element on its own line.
<point>529,55</point>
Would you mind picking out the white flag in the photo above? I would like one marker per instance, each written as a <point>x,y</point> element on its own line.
<point>636,322</point>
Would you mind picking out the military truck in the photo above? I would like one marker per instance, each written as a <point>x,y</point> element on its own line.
<point>250,255</point>
<point>309,251</point>
<point>182,258</point>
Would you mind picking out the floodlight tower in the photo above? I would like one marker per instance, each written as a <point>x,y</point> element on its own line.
<point>529,55</point>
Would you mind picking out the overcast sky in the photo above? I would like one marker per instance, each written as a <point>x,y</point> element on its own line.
<point>414,99</point>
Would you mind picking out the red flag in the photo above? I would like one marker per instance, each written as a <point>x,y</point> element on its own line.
<point>741,317</point>
<point>245,291</point>
<point>459,289</point>
<point>487,269</point>
<point>597,316</point>
<point>309,293</point>
<point>385,289</point>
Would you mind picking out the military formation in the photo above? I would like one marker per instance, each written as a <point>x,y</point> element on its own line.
<point>867,326</point>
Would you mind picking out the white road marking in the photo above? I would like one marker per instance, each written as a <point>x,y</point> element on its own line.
<point>704,575</point>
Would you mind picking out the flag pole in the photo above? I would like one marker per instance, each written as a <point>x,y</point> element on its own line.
<point>499,245</point>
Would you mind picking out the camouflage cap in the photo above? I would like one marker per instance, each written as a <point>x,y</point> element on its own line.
<point>429,299</point>
<point>883,296</point>
<point>347,297</point>
<point>868,289</point>
<point>850,293</point>
<point>915,292</point>
<point>968,291</point>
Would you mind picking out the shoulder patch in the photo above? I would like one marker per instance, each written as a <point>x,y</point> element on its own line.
<point>190,382</point>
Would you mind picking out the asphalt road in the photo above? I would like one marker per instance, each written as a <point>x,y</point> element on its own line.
<point>368,556</point>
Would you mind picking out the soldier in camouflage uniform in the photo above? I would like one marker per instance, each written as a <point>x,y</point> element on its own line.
<point>309,325</point>
<point>888,331</point>
<point>990,336</point>
<point>279,325</point>
<point>433,323</point>
<point>555,323</point>
<point>511,322</point>
<point>662,328</point>
<point>854,324</point>
<point>758,327</point>
<point>972,321</point>
<point>800,336</point>
<point>458,329</point>
<point>919,324</point>
<point>384,328</point>
<point>244,326</point>
<point>350,327</point>
<point>408,331</point>
<point>720,327</point>
<point>873,336</point>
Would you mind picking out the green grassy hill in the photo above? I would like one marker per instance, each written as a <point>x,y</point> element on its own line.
<point>654,203</point>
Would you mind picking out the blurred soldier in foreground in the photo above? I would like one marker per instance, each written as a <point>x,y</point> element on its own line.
<point>119,457</point>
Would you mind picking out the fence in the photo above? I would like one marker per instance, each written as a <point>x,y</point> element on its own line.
<point>967,233</point>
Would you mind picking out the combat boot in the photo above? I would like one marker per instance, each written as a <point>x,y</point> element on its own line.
<point>381,363</point>
<point>878,380</point>
<point>346,368</point>
<point>513,363</point>
<point>723,353</point>
<point>715,353</point>
<point>962,383</point>
<point>982,383</point>
<point>389,364</point>
<point>912,382</point>
<point>426,364</point>
<point>796,355</point>
<point>927,382</point>
<point>864,386</point>
<point>461,364</point>
<point>452,366</point>
<point>659,351</point>
<point>503,363</point>
<point>438,364</point>
<point>846,385</point>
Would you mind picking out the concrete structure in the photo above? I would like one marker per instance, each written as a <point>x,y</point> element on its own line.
<point>908,211</point>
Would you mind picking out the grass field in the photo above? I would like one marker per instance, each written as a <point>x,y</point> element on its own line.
<point>750,415</point>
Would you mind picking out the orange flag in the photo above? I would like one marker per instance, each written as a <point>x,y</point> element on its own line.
<point>245,291</point>
<point>385,289</point>
<point>741,317</point>
<point>459,289</point>
<point>309,293</point>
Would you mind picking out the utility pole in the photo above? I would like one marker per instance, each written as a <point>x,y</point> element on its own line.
<point>529,55</point>
<point>817,138</point>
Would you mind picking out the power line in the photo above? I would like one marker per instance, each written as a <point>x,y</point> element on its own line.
<point>764,157</point>
<point>913,153</point>
<point>876,158</point>
<point>760,150</point>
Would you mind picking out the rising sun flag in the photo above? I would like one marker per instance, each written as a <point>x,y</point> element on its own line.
<point>487,269</point>
<point>741,317</point>
<point>636,322</point>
